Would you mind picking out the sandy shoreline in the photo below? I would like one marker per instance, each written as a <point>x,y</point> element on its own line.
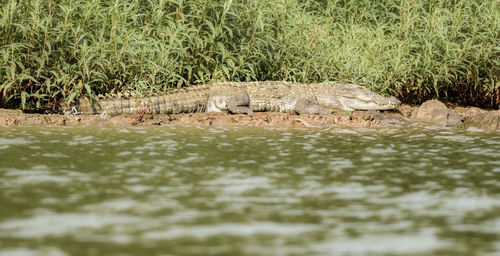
<point>10,117</point>
<point>399,117</point>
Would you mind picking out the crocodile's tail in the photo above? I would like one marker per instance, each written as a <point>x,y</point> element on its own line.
<point>223,97</point>
<point>184,100</point>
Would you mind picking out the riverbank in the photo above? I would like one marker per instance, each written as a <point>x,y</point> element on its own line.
<point>431,113</point>
<point>356,119</point>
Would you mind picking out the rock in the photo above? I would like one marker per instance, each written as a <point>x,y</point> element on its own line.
<point>483,120</point>
<point>435,112</point>
<point>472,111</point>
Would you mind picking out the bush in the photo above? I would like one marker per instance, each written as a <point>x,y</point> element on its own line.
<point>414,49</point>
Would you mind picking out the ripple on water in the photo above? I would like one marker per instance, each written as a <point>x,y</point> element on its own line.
<point>6,142</point>
<point>139,188</point>
<point>454,204</point>
<point>140,131</point>
<point>233,229</point>
<point>43,251</point>
<point>237,184</point>
<point>385,150</point>
<point>338,164</point>
<point>349,191</point>
<point>59,225</point>
<point>192,157</point>
<point>81,140</point>
<point>150,204</point>
<point>455,138</point>
<point>124,153</point>
<point>489,226</point>
<point>38,174</point>
<point>56,155</point>
<point>424,241</point>
<point>126,164</point>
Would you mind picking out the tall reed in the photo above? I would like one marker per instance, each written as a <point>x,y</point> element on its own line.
<point>415,49</point>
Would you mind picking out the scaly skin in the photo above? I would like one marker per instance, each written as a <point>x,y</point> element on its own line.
<point>204,98</point>
<point>313,98</point>
<point>244,97</point>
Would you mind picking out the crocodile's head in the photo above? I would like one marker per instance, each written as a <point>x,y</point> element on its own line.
<point>357,97</point>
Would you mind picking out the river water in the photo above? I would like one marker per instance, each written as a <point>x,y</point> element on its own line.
<point>185,190</point>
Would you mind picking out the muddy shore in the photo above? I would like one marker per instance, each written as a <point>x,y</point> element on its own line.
<point>403,116</point>
<point>355,119</point>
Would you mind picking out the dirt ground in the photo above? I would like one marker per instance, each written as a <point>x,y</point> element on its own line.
<point>400,117</point>
<point>9,117</point>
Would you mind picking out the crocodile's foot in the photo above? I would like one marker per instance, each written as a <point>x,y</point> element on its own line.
<point>305,106</point>
<point>240,110</point>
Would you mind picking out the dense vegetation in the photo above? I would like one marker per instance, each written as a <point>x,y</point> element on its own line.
<point>52,50</point>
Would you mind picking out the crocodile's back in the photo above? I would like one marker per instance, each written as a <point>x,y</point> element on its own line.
<point>269,96</point>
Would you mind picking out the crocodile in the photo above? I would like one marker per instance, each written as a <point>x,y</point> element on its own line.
<point>318,98</point>
<point>240,98</point>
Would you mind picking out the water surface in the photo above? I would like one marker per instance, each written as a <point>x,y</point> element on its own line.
<point>184,190</point>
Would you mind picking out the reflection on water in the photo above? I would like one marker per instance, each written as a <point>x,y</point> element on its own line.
<point>248,191</point>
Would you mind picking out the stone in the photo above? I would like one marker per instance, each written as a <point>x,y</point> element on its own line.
<point>472,111</point>
<point>483,120</point>
<point>435,112</point>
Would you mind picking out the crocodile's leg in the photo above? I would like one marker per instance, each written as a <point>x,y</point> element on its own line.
<point>232,100</point>
<point>307,106</point>
<point>240,103</point>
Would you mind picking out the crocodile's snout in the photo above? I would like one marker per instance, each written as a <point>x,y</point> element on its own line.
<point>393,102</point>
<point>369,101</point>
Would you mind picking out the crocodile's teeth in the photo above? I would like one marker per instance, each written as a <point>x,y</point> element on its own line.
<point>127,94</point>
<point>108,96</point>
<point>100,96</point>
<point>119,95</point>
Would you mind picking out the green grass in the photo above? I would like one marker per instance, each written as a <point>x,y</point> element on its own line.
<point>413,49</point>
